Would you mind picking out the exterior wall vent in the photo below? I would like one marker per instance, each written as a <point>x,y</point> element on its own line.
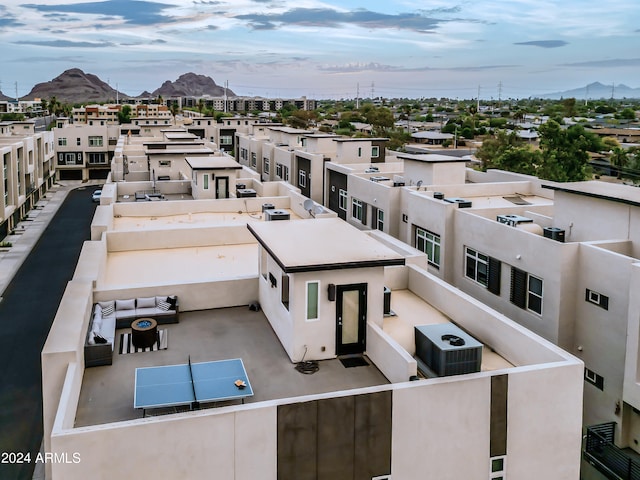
<point>444,349</point>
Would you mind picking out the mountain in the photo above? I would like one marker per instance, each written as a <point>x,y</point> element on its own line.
<point>191,85</point>
<point>75,86</point>
<point>596,90</point>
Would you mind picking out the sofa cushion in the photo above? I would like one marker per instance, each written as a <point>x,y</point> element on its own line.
<point>96,326</point>
<point>145,302</point>
<point>120,314</point>
<point>91,340</point>
<point>164,306</point>
<point>108,329</point>
<point>172,300</point>
<point>97,309</point>
<point>125,305</point>
<point>107,307</point>
<point>146,312</point>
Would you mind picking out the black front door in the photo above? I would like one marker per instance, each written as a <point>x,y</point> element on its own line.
<point>222,187</point>
<point>338,193</point>
<point>351,318</point>
<point>304,176</point>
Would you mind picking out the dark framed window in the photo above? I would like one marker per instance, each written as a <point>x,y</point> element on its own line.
<point>526,291</point>
<point>594,379</point>
<point>429,243</point>
<point>483,269</point>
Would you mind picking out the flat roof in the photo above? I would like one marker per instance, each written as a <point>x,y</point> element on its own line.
<point>171,151</point>
<point>613,192</point>
<point>321,244</point>
<point>213,163</point>
<point>431,158</point>
<point>349,139</point>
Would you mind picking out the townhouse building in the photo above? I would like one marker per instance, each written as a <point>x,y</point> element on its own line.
<point>297,301</point>
<point>28,171</point>
<point>84,152</point>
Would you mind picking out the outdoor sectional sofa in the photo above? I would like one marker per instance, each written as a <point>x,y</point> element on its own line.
<point>108,316</point>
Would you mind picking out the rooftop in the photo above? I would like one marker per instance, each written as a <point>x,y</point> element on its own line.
<point>238,332</point>
<point>603,190</point>
<point>212,163</point>
<point>321,244</point>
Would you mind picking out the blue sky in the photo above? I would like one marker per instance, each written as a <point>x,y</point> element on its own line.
<point>327,49</point>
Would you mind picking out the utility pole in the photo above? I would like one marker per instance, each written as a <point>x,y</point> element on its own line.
<point>357,96</point>
<point>478,101</point>
<point>17,99</point>
<point>226,86</point>
<point>116,93</point>
<point>372,89</point>
<point>500,94</point>
<point>613,90</point>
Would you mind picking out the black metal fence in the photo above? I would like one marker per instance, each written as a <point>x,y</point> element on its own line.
<point>610,460</point>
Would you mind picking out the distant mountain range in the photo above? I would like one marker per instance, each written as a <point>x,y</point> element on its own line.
<point>596,90</point>
<point>76,86</point>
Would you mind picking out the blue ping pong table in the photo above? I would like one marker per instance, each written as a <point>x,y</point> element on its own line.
<point>190,384</point>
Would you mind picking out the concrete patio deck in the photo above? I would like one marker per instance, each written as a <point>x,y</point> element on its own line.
<point>107,392</point>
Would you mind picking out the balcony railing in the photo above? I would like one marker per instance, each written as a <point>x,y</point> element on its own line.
<point>610,460</point>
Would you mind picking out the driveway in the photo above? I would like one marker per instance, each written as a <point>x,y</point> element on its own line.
<point>27,310</point>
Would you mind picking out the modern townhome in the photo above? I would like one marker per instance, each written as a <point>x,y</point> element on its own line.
<point>28,171</point>
<point>559,259</point>
<point>290,348</point>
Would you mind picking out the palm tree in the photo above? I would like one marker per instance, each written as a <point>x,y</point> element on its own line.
<point>619,159</point>
<point>200,106</point>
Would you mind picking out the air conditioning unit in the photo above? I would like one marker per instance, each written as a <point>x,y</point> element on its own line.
<point>372,170</point>
<point>512,220</point>
<point>554,233</point>
<point>462,203</point>
<point>245,193</point>
<point>268,206</point>
<point>378,178</point>
<point>438,195</point>
<point>272,215</point>
<point>445,349</point>
<point>240,186</point>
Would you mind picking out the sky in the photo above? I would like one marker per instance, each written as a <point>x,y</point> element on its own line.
<point>327,49</point>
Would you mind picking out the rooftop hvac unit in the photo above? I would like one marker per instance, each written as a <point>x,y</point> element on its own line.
<point>268,206</point>
<point>245,193</point>
<point>438,195</point>
<point>462,203</point>
<point>273,215</point>
<point>554,233</point>
<point>512,220</point>
<point>372,170</point>
<point>378,178</point>
<point>240,186</point>
<point>446,350</point>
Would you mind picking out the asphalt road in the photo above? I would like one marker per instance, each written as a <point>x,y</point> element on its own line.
<point>27,310</point>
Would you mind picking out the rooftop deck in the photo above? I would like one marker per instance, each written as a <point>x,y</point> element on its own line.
<point>107,392</point>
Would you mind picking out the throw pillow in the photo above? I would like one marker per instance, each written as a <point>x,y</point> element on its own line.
<point>99,339</point>
<point>164,306</point>
<point>146,302</point>
<point>126,304</point>
<point>172,301</point>
<point>107,307</point>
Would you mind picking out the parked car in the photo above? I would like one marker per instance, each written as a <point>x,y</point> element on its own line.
<point>96,196</point>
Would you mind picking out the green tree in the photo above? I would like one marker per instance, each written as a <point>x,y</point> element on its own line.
<point>200,106</point>
<point>569,107</point>
<point>124,115</point>
<point>564,152</point>
<point>620,160</point>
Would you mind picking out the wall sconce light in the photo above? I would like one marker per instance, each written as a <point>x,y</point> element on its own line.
<point>331,292</point>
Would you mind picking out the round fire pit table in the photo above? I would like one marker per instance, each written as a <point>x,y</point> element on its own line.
<point>144,332</point>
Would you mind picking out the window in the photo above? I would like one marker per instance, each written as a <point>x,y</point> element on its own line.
<point>205,181</point>
<point>279,170</point>
<point>359,151</point>
<point>483,269</point>
<point>429,243</point>
<point>285,173</point>
<point>265,161</point>
<point>62,142</point>
<point>312,300</point>
<point>375,151</point>
<point>342,200</point>
<point>597,299</point>
<point>593,378</point>
<point>302,178</point>
<point>526,291</point>
<point>78,141</point>
<point>358,210</point>
<point>380,220</point>
<point>95,141</point>
<point>226,140</point>
<point>284,290</point>
<point>97,158</point>
<point>254,160</point>
<point>164,163</point>
<point>497,468</point>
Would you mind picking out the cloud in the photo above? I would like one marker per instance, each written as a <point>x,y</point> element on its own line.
<point>544,43</point>
<point>378,67</point>
<point>135,12</point>
<point>615,62</point>
<point>326,17</point>
<point>65,44</point>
